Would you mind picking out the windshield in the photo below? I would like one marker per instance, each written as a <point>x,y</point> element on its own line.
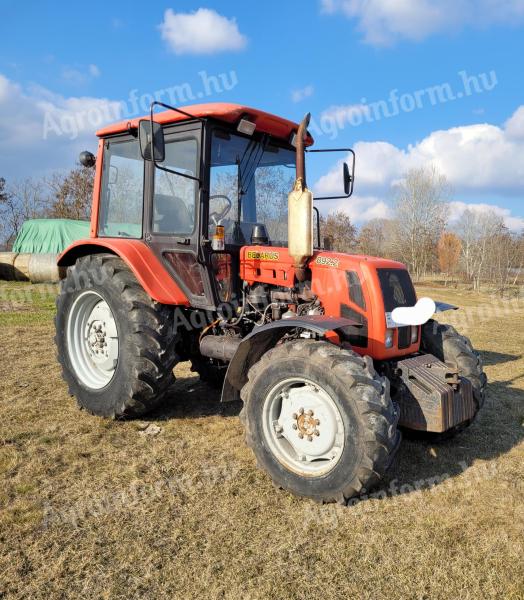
<point>250,182</point>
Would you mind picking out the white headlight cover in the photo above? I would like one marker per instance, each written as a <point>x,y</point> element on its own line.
<point>419,314</point>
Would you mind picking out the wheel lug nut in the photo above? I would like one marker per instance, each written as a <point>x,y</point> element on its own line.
<point>295,416</point>
<point>301,411</point>
<point>294,426</point>
<point>316,432</point>
<point>301,435</point>
<point>317,422</point>
<point>310,413</point>
<point>309,438</point>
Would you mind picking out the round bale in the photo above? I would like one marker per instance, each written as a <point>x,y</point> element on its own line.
<point>43,268</point>
<point>21,266</point>
<point>7,269</point>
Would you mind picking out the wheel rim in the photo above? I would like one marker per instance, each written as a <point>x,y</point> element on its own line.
<point>303,427</point>
<point>92,340</point>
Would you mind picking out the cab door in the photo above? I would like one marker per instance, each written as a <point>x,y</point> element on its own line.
<point>174,215</point>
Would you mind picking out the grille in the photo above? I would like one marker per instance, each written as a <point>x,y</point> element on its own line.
<point>404,337</point>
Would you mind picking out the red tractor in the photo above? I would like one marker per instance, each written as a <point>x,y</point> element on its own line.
<point>198,252</point>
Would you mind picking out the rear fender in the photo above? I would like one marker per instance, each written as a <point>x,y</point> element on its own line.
<point>265,337</point>
<point>147,268</point>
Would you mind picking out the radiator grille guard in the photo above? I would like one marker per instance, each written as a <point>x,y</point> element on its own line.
<point>432,396</point>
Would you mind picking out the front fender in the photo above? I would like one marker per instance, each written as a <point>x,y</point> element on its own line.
<point>444,306</point>
<point>265,337</point>
<point>147,268</point>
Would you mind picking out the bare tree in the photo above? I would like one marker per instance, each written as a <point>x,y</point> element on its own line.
<point>378,238</point>
<point>71,194</point>
<point>342,232</point>
<point>19,202</point>
<point>372,238</point>
<point>505,259</point>
<point>449,248</point>
<point>478,231</point>
<point>421,217</point>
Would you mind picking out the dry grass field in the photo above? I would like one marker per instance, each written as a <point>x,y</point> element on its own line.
<point>98,509</point>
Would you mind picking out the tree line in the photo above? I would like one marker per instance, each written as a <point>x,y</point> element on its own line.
<point>57,196</point>
<point>477,248</point>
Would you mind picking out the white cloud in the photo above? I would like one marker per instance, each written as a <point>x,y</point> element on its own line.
<point>80,76</point>
<point>364,208</point>
<point>515,124</point>
<point>383,22</point>
<point>94,71</point>
<point>360,209</point>
<point>456,209</point>
<point>345,114</point>
<point>479,161</point>
<point>302,93</point>
<point>201,32</point>
<point>42,131</point>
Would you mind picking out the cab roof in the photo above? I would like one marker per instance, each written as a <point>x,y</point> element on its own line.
<point>222,111</point>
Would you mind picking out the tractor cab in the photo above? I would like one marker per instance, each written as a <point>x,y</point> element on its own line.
<point>216,178</point>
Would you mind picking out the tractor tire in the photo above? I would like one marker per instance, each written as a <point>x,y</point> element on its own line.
<point>115,344</point>
<point>303,389</point>
<point>209,372</point>
<point>449,346</point>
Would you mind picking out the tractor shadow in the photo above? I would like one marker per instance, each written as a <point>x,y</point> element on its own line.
<point>191,398</point>
<point>496,430</point>
<point>497,358</point>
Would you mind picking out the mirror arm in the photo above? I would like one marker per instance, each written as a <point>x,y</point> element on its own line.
<point>352,176</point>
<point>318,226</point>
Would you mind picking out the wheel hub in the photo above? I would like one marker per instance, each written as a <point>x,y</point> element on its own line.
<point>92,340</point>
<point>96,337</point>
<point>304,427</point>
<point>306,424</point>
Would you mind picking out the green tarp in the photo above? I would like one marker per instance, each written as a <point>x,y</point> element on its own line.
<point>50,236</point>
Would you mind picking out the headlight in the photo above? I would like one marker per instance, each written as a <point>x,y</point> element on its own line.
<point>388,341</point>
<point>414,334</point>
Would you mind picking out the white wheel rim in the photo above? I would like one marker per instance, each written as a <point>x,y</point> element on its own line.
<point>303,427</point>
<point>92,340</point>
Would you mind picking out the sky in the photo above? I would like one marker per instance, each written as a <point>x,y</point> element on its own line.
<point>405,83</point>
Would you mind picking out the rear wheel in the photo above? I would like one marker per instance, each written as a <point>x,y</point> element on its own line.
<point>115,344</point>
<point>319,420</point>
<point>449,346</point>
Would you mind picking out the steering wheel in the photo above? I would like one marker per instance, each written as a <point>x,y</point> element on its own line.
<point>218,216</point>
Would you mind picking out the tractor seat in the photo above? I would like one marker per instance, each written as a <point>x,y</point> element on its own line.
<point>171,215</point>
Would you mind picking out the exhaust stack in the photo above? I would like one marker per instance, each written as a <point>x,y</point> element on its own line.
<point>300,210</point>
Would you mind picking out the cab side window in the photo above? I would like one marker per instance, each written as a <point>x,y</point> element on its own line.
<point>122,193</point>
<point>176,197</point>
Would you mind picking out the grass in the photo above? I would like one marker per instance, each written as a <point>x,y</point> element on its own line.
<point>98,509</point>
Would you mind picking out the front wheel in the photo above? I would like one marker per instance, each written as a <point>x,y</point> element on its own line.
<point>319,420</point>
<point>449,346</point>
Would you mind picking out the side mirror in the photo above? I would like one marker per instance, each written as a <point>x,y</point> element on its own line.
<point>151,140</point>
<point>87,159</point>
<point>347,179</point>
